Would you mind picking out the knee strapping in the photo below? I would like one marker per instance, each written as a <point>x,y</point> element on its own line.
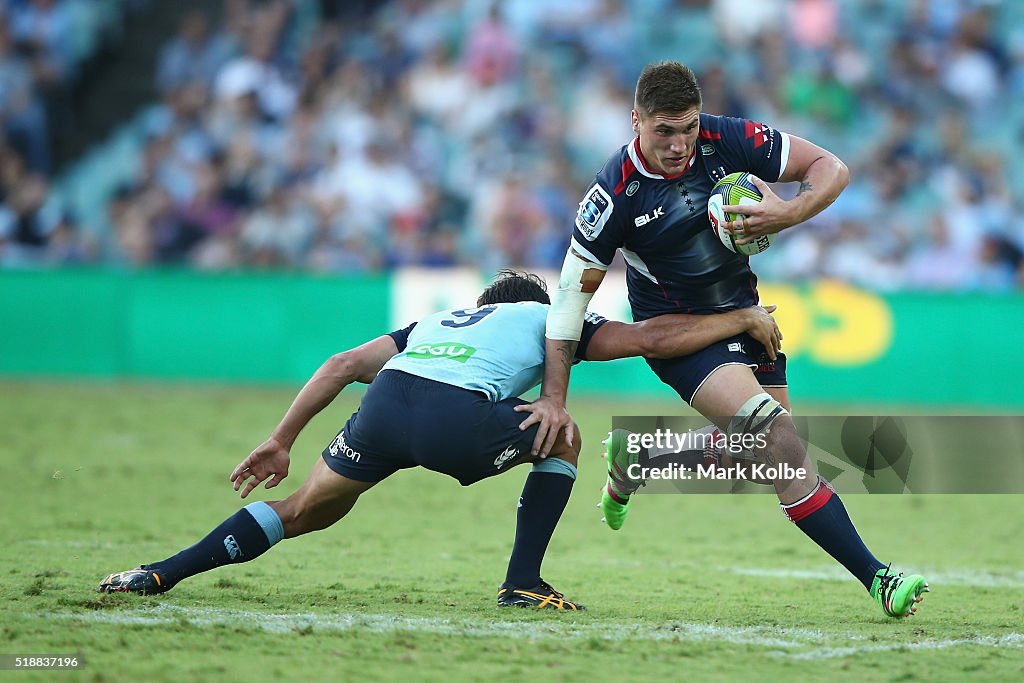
<point>756,415</point>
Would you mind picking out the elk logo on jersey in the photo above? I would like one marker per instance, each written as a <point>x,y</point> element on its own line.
<point>650,216</point>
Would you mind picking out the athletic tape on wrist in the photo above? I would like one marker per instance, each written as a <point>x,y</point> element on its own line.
<point>569,304</point>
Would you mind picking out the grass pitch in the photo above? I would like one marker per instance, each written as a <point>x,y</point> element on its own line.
<point>103,477</point>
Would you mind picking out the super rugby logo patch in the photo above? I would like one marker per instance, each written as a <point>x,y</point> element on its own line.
<point>594,212</point>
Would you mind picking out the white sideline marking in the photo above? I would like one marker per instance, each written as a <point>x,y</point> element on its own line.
<point>789,643</point>
<point>965,577</point>
<point>91,545</point>
<point>1009,640</point>
<point>383,623</point>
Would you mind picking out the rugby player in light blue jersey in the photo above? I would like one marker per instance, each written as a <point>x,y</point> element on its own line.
<point>443,395</point>
<point>649,202</point>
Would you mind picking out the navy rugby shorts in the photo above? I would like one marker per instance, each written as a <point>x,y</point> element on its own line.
<point>407,421</point>
<point>686,374</point>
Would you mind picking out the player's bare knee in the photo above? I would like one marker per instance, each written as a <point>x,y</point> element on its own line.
<point>783,444</point>
<point>568,453</point>
<point>299,516</point>
<point>290,512</point>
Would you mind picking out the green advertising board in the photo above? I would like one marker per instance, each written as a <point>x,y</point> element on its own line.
<point>183,325</point>
<point>849,345</point>
<point>844,344</point>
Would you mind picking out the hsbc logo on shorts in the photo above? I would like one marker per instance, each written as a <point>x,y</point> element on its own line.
<point>594,212</point>
<point>505,456</point>
<point>339,448</point>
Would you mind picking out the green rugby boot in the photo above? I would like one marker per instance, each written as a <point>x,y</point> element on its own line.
<point>898,595</point>
<point>618,486</point>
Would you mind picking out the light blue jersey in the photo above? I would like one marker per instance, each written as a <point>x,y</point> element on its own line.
<point>496,349</point>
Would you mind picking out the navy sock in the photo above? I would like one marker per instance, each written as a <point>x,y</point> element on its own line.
<point>544,497</point>
<point>244,536</point>
<point>823,517</point>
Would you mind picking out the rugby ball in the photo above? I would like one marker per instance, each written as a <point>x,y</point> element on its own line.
<point>737,190</point>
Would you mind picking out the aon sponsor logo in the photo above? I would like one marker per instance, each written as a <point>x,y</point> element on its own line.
<point>339,448</point>
<point>451,351</point>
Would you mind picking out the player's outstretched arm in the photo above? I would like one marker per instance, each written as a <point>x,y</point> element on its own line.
<point>674,335</point>
<point>270,459</point>
<point>549,411</point>
<point>577,283</point>
<point>822,176</point>
<point>360,364</point>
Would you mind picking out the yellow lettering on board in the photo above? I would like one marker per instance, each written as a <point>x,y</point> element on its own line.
<point>835,323</point>
<point>861,329</point>
<point>793,315</point>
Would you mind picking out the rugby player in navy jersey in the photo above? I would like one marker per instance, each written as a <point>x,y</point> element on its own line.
<point>442,396</point>
<point>649,202</point>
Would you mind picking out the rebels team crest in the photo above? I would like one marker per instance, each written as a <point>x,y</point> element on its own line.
<point>760,132</point>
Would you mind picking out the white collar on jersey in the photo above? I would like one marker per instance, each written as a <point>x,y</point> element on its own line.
<point>638,161</point>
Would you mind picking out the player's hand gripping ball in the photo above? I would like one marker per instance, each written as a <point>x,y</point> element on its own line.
<point>737,190</point>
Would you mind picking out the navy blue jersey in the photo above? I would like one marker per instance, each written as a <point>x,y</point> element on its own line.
<point>675,262</point>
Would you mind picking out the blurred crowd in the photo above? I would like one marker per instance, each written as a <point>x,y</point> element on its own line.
<point>355,137</point>
<point>44,48</point>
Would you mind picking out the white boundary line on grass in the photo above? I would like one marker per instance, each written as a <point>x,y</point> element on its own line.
<point>958,577</point>
<point>386,623</point>
<point>788,643</point>
<point>1014,640</point>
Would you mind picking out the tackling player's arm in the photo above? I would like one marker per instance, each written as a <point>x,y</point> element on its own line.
<point>579,279</point>
<point>271,458</point>
<point>673,335</point>
<point>360,364</point>
<point>822,176</point>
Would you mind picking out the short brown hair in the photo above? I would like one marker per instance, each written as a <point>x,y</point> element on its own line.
<point>666,88</point>
<point>511,286</point>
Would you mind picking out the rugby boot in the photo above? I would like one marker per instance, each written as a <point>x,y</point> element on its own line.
<point>618,486</point>
<point>139,580</point>
<point>896,594</point>
<point>542,596</point>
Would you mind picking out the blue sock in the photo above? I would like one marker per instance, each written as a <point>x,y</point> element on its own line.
<point>242,537</point>
<point>544,497</point>
<point>823,517</point>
